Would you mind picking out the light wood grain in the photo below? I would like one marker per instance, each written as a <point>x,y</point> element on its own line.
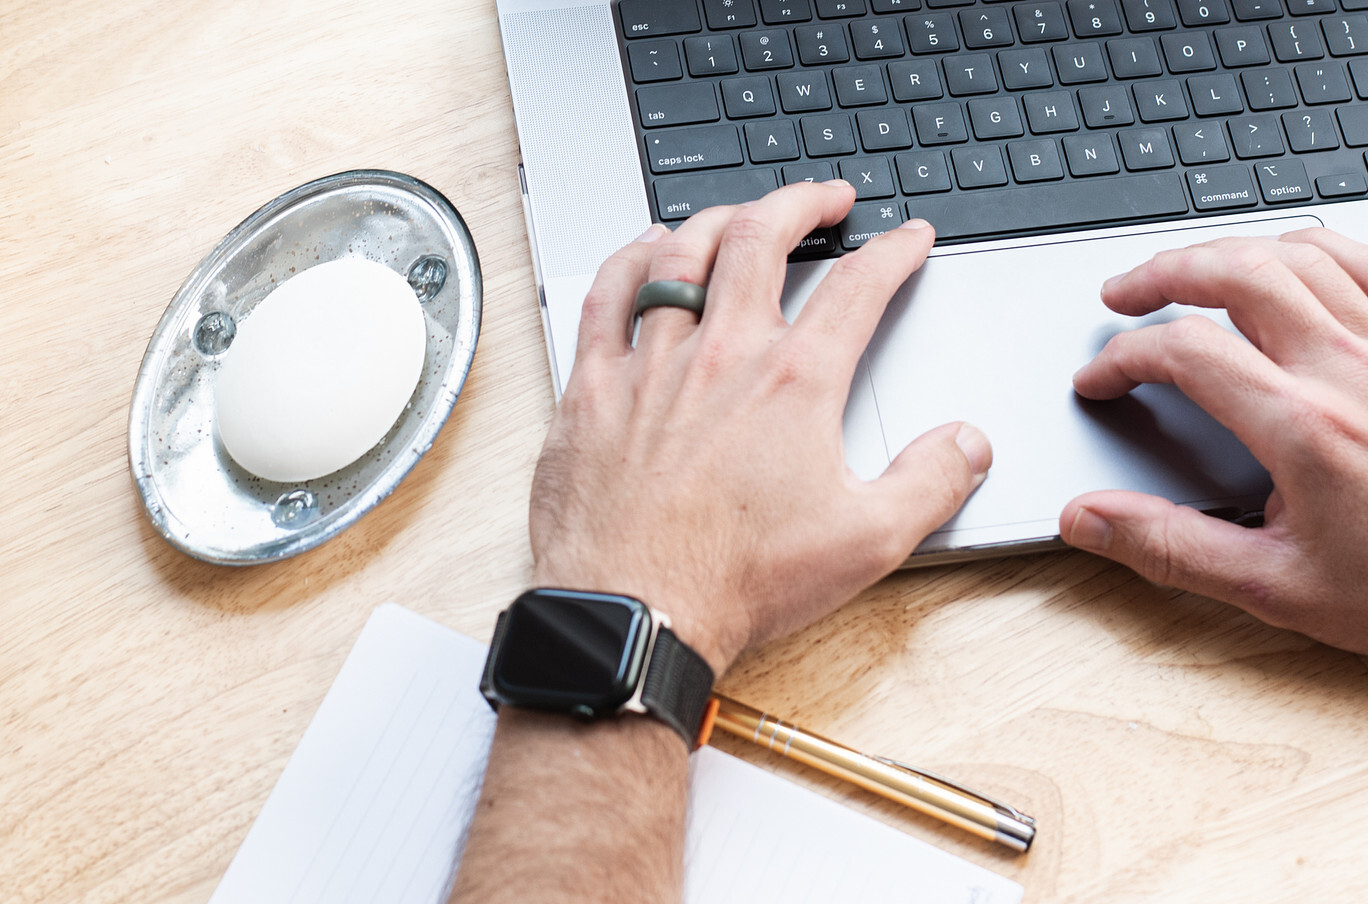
<point>1173,750</point>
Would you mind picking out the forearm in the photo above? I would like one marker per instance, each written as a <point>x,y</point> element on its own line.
<point>572,812</point>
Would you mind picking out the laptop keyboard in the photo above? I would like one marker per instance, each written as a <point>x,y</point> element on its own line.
<point>998,119</point>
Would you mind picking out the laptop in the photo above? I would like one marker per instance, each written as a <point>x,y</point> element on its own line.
<point>1052,143</point>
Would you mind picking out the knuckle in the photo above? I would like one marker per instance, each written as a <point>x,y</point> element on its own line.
<point>750,230</point>
<point>1193,336</point>
<point>676,259</point>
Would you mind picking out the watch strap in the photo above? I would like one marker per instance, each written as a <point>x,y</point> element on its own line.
<point>677,686</point>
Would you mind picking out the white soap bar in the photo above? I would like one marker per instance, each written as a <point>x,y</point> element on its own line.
<point>320,370</point>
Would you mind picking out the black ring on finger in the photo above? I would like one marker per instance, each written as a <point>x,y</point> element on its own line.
<point>671,293</point>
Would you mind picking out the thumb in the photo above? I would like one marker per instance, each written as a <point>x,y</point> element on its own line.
<point>1172,545</point>
<point>929,480</point>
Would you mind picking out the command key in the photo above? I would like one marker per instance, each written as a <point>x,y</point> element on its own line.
<point>1221,187</point>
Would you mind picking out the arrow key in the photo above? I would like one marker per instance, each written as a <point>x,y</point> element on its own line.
<point>1342,186</point>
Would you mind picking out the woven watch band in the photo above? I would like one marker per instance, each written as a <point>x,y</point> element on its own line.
<point>678,683</point>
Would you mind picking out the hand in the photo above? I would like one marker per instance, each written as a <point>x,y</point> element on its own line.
<point>702,471</point>
<point>1296,394</point>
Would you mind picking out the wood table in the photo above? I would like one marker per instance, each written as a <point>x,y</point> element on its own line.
<point>1172,749</point>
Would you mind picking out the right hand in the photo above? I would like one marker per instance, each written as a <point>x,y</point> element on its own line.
<point>1296,394</point>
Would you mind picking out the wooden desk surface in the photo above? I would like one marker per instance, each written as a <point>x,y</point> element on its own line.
<point>1172,749</point>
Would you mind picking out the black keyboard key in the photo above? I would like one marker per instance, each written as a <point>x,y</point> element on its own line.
<point>1241,45</point>
<point>1035,161</point>
<point>1358,71</point>
<point>1050,112</point>
<point>778,12</point>
<point>1134,58</point>
<point>729,13</point>
<point>995,117</point>
<point>1079,63</point>
<point>1145,149</point>
<point>1201,143</point>
<point>743,97</point>
<point>827,135</point>
<point>819,44</point>
<point>677,105</point>
<point>876,39</point>
<point>710,55</point>
<point>1094,18</point>
<point>651,18</point>
<point>917,80</point>
<point>771,141</point>
<point>1196,13</point>
<point>762,50</point>
<point>1281,181</point>
<point>939,124</point>
<point>885,129</point>
<point>1041,22</point>
<point>1323,83</point>
<point>871,177</point>
<point>894,6</point>
<point>820,171</point>
<point>1269,89</point>
<point>1310,7</point>
<point>678,197</point>
<point>979,167</point>
<point>1256,136</point>
<point>922,172</point>
<point>803,92</point>
<point>1343,185</point>
<point>839,9</point>
<point>654,61</point>
<point>1294,41</point>
<point>1050,206</point>
<point>1354,124</point>
<point>865,221</point>
<point>1024,69</point>
<point>1215,95</point>
<point>1105,106</point>
<point>932,33</point>
<point>1160,101</point>
<point>1222,188</point>
<point>816,244</point>
<point>859,86</point>
<point>1188,52</point>
<point>987,27</point>
<point>1346,36</point>
<point>969,74</point>
<point>1256,10</point>
<point>676,150</point>
<point>1310,130</point>
<point>1091,155</point>
<point>1153,15</point>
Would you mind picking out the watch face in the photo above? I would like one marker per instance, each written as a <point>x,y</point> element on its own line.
<point>563,649</point>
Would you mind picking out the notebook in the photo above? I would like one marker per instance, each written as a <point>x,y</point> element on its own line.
<point>1053,143</point>
<point>375,802</point>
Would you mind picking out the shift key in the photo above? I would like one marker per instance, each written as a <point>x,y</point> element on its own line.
<point>678,197</point>
<point>692,149</point>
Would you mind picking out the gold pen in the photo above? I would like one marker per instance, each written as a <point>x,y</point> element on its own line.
<point>915,788</point>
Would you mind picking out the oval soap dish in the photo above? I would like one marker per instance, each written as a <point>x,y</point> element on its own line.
<point>196,496</point>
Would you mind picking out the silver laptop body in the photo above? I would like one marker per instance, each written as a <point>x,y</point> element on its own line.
<point>988,332</point>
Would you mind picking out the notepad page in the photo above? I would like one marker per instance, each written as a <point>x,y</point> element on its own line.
<point>374,804</point>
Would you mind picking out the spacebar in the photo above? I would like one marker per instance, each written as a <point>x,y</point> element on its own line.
<point>1030,208</point>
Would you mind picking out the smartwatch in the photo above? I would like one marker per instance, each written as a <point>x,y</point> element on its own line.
<point>593,655</point>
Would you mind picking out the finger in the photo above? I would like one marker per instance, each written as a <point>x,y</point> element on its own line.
<point>686,255</point>
<point>605,318</point>
<point>844,310</point>
<point>1223,374</point>
<point>1252,279</point>
<point>1341,283</point>
<point>1176,546</point>
<point>748,277</point>
<point>927,483</point>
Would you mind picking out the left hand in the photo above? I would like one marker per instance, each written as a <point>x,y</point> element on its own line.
<point>703,471</point>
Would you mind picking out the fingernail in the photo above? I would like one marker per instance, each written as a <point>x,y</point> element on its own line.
<point>837,182</point>
<point>916,223</point>
<point>652,233</point>
<point>975,447</point>
<point>1090,531</point>
<point>1111,283</point>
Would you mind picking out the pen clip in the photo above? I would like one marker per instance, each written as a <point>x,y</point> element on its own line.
<point>1005,809</point>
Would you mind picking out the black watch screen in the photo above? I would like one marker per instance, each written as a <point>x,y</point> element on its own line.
<point>567,649</point>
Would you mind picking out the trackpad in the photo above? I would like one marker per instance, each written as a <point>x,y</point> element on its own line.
<point>994,337</point>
